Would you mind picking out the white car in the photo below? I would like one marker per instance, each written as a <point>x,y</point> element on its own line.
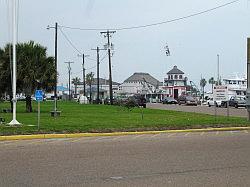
<point>211,102</point>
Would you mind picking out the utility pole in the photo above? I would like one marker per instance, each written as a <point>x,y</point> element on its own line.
<point>248,80</point>
<point>55,112</point>
<point>107,34</point>
<point>83,72</point>
<point>69,70</point>
<point>98,72</point>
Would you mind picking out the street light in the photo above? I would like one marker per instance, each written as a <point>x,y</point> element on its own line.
<point>55,112</point>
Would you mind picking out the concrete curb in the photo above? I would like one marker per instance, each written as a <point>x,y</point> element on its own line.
<point>78,135</point>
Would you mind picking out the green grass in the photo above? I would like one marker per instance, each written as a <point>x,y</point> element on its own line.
<point>102,118</point>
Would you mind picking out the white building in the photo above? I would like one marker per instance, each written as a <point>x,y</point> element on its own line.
<point>236,85</point>
<point>139,83</point>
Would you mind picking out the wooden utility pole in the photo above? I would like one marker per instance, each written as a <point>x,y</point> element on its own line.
<point>69,70</point>
<point>248,79</point>
<point>108,34</point>
<point>98,72</point>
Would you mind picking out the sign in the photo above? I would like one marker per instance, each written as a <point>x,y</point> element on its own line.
<point>220,93</point>
<point>39,95</point>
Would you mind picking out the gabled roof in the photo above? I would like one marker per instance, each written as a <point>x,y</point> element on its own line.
<point>175,70</point>
<point>143,77</point>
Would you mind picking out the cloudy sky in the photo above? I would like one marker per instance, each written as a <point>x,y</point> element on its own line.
<point>194,42</point>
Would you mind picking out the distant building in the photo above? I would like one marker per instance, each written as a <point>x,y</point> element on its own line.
<point>139,83</point>
<point>103,88</point>
<point>175,83</point>
<point>236,85</point>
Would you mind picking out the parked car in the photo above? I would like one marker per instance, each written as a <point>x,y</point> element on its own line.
<point>187,100</point>
<point>169,100</point>
<point>237,101</point>
<point>211,102</point>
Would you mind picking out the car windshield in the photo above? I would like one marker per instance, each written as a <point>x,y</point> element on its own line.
<point>190,98</point>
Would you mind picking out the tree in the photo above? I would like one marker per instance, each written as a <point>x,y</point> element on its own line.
<point>89,81</point>
<point>212,82</point>
<point>35,70</point>
<point>203,83</point>
<point>76,81</point>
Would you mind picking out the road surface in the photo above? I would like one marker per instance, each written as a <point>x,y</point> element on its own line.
<point>167,159</point>
<point>238,112</point>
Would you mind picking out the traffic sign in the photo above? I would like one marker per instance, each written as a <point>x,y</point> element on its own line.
<point>39,95</point>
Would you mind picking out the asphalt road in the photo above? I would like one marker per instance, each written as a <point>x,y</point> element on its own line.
<point>167,159</point>
<point>240,112</point>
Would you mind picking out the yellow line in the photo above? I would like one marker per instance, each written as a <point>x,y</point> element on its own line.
<point>78,135</point>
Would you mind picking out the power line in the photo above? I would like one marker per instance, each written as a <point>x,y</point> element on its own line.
<point>154,24</point>
<point>69,41</point>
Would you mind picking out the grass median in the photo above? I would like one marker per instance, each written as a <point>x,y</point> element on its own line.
<point>103,118</point>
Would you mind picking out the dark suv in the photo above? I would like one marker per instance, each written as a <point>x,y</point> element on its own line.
<point>187,100</point>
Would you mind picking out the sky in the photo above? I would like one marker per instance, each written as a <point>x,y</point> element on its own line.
<point>194,42</point>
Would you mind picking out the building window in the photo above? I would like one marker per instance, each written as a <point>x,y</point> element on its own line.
<point>180,76</point>
<point>175,76</point>
<point>171,77</point>
<point>168,76</point>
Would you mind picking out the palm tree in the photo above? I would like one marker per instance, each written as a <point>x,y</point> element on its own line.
<point>35,70</point>
<point>76,81</point>
<point>203,83</point>
<point>212,82</point>
<point>89,81</point>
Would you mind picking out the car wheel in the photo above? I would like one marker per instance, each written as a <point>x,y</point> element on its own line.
<point>236,105</point>
<point>209,105</point>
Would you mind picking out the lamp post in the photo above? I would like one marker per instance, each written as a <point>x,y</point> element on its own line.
<point>55,112</point>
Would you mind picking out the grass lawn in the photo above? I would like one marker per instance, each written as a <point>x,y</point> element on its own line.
<point>103,118</point>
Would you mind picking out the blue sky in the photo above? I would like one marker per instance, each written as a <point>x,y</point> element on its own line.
<point>194,43</point>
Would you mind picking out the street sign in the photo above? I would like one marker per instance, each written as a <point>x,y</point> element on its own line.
<point>220,93</point>
<point>39,95</point>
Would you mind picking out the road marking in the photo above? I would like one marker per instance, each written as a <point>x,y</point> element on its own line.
<point>187,134</point>
<point>202,133</point>
<point>172,134</point>
<point>135,137</point>
<point>116,178</point>
<point>116,138</point>
<point>155,135</point>
<point>246,131</point>
<point>97,139</point>
<point>217,132</point>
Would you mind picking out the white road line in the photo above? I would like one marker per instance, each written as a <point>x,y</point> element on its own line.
<point>117,137</point>
<point>155,135</point>
<point>172,134</point>
<point>137,136</point>
<point>187,134</point>
<point>246,131</point>
<point>217,132</point>
<point>202,133</point>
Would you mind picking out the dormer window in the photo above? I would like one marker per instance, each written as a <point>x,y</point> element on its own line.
<point>175,76</point>
<point>180,76</point>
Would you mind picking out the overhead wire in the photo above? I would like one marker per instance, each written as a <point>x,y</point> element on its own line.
<point>154,24</point>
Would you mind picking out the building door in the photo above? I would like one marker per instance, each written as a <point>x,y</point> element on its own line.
<point>176,93</point>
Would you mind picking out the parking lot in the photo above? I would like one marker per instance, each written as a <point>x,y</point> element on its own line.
<point>239,112</point>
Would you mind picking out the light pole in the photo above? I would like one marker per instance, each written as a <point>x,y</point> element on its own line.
<point>55,112</point>
<point>14,100</point>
